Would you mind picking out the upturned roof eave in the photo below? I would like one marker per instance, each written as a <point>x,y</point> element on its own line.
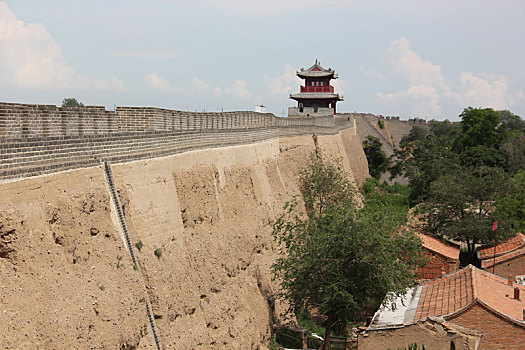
<point>316,74</point>
<point>316,96</point>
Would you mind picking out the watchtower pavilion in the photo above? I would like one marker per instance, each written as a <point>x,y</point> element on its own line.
<point>317,96</point>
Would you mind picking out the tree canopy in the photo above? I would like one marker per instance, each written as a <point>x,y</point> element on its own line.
<point>416,133</point>
<point>460,206</point>
<point>71,102</point>
<point>510,205</point>
<point>337,259</point>
<point>378,162</point>
<point>511,121</point>
<point>463,172</point>
<point>479,127</point>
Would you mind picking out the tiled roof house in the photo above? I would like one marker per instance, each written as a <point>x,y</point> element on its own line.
<point>510,257</point>
<point>442,258</point>
<point>471,298</point>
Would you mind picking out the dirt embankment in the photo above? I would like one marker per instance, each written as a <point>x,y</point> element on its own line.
<point>66,279</point>
<point>200,220</point>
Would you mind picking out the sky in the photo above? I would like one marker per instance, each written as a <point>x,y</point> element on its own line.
<point>408,58</point>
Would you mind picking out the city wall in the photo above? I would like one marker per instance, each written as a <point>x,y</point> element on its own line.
<point>40,139</point>
<point>206,250</point>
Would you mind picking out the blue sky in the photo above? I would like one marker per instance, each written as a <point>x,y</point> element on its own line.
<point>407,57</point>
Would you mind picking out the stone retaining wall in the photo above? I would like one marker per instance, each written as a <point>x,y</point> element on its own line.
<point>40,139</point>
<point>296,112</point>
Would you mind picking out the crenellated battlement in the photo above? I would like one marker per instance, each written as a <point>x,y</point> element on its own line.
<point>40,139</point>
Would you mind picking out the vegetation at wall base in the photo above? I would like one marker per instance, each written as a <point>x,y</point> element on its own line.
<point>392,199</point>
<point>273,343</point>
<point>413,347</point>
<point>336,259</point>
<point>378,162</point>
<point>305,321</point>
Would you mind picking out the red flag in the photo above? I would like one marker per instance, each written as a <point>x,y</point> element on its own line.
<point>494,226</point>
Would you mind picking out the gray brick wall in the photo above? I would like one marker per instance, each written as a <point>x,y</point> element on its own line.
<point>40,139</point>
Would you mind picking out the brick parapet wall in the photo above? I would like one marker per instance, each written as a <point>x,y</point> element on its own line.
<point>40,139</point>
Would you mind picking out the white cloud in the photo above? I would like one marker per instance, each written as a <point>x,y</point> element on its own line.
<point>480,92</point>
<point>31,59</point>
<point>239,89</point>
<point>203,88</point>
<point>372,73</point>
<point>424,100</point>
<point>516,97</point>
<point>160,84</point>
<point>407,63</point>
<point>284,84</point>
<point>429,92</point>
<point>341,86</point>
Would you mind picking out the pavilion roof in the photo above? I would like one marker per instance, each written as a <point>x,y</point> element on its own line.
<point>316,96</point>
<point>316,71</point>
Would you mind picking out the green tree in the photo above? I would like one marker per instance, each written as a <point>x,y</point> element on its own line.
<point>479,156</point>
<point>416,133</point>
<point>378,162</point>
<point>510,206</point>
<point>324,184</point>
<point>479,127</point>
<point>337,259</point>
<point>71,102</point>
<point>423,162</point>
<point>514,148</point>
<point>511,120</point>
<point>460,206</point>
<point>445,131</point>
<point>423,158</point>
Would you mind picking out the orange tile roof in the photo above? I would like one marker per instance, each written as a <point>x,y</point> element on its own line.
<point>488,262</point>
<point>455,292</point>
<point>439,247</point>
<point>445,295</point>
<point>513,243</point>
